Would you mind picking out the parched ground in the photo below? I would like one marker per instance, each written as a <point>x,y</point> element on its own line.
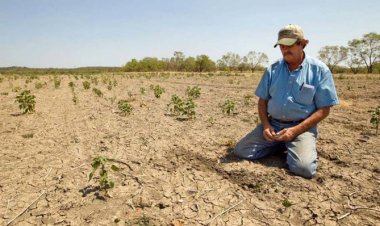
<point>178,172</point>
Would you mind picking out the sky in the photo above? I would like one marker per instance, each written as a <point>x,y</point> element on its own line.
<point>78,33</point>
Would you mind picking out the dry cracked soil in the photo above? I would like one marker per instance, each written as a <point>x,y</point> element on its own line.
<point>175,171</point>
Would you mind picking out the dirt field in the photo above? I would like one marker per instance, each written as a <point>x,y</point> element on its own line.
<point>178,172</point>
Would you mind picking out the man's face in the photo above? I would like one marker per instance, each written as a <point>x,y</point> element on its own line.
<point>292,54</point>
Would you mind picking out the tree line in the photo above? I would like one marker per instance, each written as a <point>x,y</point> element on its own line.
<point>360,55</point>
<point>201,63</point>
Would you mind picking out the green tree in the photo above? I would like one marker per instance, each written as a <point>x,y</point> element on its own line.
<point>204,63</point>
<point>256,59</point>
<point>132,65</point>
<point>354,62</point>
<point>367,48</point>
<point>190,64</point>
<point>177,61</point>
<point>230,60</point>
<point>333,55</point>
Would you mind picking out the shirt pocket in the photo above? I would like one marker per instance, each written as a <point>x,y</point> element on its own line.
<point>305,94</point>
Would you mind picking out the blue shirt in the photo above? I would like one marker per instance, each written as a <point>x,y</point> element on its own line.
<point>295,95</point>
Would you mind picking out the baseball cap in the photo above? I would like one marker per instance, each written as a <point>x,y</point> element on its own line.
<point>289,35</point>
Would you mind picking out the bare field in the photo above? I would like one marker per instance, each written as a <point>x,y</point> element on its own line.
<point>178,172</point>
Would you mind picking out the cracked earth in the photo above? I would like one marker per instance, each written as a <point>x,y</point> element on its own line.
<point>179,172</point>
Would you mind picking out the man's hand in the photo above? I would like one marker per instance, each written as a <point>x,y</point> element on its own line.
<point>285,135</point>
<point>269,133</point>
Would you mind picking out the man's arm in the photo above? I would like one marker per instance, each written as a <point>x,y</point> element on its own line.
<point>292,132</point>
<point>268,131</point>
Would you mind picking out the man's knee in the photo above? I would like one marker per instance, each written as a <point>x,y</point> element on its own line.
<point>241,150</point>
<point>306,169</point>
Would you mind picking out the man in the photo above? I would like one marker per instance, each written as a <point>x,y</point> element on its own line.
<point>295,94</point>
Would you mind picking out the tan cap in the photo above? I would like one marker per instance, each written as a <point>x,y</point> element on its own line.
<point>289,35</point>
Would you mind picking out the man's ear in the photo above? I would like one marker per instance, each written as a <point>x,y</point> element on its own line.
<point>304,43</point>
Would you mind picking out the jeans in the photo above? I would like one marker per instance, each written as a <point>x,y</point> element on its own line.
<point>301,156</point>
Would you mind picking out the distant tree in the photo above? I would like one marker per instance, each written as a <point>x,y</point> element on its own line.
<point>230,60</point>
<point>256,59</point>
<point>152,64</point>
<point>204,63</point>
<point>354,62</point>
<point>333,55</point>
<point>189,64</point>
<point>367,48</point>
<point>243,65</point>
<point>132,65</point>
<point>176,62</point>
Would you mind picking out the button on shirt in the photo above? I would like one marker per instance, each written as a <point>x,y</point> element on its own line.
<point>295,95</point>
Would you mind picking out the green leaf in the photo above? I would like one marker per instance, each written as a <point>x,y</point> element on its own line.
<point>90,176</point>
<point>115,168</point>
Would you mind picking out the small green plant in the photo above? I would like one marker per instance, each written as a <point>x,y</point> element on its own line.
<point>158,90</point>
<point>189,108</point>
<point>228,107</point>
<point>286,203</point>
<point>248,99</point>
<point>375,119</point>
<point>109,86</point>
<point>97,92</point>
<point>38,85</point>
<point>27,135</point>
<point>86,84</point>
<point>193,92</point>
<point>142,90</point>
<point>182,107</point>
<point>71,85</point>
<point>57,83</point>
<point>175,105</point>
<point>125,106</point>
<point>94,80</point>
<point>26,101</point>
<point>100,163</point>
<point>75,98</point>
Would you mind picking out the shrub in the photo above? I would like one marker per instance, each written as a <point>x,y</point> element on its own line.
<point>228,107</point>
<point>125,106</point>
<point>158,90</point>
<point>26,101</point>
<point>193,92</point>
<point>375,119</point>
<point>38,85</point>
<point>86,84</point>
<point>57,83</point>
<point>97,92</point>
<point>184,108</point>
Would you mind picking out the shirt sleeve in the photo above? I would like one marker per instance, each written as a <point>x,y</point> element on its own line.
<point>262,89</point>
<point>326,93</point>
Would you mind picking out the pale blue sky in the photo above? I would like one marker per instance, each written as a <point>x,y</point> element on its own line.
<point>68,33</point>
